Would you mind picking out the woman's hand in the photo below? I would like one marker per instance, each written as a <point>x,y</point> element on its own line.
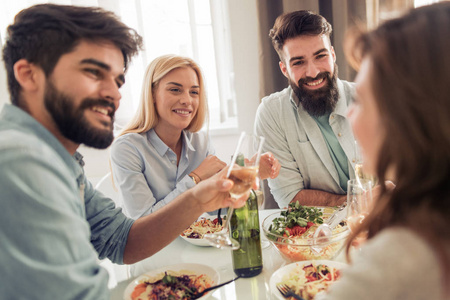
<point>269,166</point>
<point>376,190</point>
<point>209,166</point>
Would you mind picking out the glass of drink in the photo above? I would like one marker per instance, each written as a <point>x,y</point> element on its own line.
<point>360,174</point>
<point>359,201</point>
<point>243,171</point>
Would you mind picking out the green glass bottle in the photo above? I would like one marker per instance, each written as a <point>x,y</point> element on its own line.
<point>244,227</point>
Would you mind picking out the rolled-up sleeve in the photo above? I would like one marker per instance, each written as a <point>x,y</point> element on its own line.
<point>109,226</point>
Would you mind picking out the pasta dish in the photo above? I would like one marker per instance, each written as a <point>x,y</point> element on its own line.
<point>201,227</point>
<point>307,281</point>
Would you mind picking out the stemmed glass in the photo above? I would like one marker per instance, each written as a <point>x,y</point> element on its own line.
<point>243,171</point>
<point>359,170</point>
<point>359,201</point>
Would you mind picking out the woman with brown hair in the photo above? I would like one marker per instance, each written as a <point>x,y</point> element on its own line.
<point>401,118</point>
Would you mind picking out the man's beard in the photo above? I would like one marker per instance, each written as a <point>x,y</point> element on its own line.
<point>318,102</point>
<point>71,121</point>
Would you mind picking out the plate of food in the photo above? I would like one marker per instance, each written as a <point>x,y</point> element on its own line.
<point>181,281</point>
<point>306,278</point>
<point>205,224</point>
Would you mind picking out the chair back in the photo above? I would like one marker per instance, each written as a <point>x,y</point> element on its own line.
<point>107,187</point>
<point>269,201</point>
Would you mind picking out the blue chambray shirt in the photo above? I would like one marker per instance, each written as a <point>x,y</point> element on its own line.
<point>146,172</point>
<point>54,224</point>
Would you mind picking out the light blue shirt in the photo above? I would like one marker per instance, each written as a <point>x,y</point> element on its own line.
<point>54,224</point>
<point>146,172</point>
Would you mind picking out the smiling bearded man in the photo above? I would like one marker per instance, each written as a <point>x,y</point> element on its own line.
<point>317,102</point>
<point>72,122</point>
<point>305,125</point>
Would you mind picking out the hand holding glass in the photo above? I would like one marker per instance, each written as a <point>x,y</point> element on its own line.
<point>243,171</point>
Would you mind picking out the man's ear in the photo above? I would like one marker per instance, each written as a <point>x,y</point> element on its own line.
<point>283,69</point>
<point>28,75</point>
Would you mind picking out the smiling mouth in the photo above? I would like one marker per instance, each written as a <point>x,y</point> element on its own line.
<point>315,82</point>
<point>182,112</point>
<point>103,111</point>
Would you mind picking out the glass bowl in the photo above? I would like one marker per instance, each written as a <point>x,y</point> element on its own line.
<point>306,247</point>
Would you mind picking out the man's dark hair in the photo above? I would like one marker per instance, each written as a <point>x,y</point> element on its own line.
<point>43,33</point>
<point>293,24</point>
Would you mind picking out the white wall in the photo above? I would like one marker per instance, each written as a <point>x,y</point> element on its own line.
<point>243,22</point>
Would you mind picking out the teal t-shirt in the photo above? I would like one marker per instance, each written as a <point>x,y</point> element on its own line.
<point>336,152</point>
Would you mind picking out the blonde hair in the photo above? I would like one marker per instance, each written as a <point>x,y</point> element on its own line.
<point>146,116</point>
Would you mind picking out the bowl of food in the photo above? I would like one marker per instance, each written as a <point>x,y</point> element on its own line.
<point>291,232</point>
<point>306,278</point>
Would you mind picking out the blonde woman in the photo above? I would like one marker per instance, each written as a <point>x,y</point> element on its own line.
<point>162,152</point>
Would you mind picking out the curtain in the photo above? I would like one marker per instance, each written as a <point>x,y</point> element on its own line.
<point>341,14</point>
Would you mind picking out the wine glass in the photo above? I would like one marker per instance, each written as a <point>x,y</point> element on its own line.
<point>243,171</point>
<point>359,201</point>
<point>359,169</point>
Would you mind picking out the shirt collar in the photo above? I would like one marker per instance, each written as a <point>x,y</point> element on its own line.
<point>24,121</point>
<point>156,142</point>
<point>341,105</point>
<point>187,138</point>
<point>162,148</point>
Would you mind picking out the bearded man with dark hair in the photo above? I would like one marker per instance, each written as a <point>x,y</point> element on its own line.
<point>305,125</point>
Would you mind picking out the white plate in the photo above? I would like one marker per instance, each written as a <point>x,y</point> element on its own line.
<point>201,242</point>
<point>277,277</point>
<point>196,269</point>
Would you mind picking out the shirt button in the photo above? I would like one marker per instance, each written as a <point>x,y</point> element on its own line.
<point>174,161</point>
<point>339,134</point>
<point>332,117</point>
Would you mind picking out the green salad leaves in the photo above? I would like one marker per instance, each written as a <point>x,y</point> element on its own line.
<point>296,214</point>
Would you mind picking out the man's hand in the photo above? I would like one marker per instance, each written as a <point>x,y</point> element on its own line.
<point>213,193</point>
<point>269,166</point>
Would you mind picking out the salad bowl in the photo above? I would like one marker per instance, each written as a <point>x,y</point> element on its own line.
<point>296,244</point>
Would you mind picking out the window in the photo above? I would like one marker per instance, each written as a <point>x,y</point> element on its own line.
<point>418,3</point>
<point>194,28</point>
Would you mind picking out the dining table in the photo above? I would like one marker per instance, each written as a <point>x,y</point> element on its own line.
<point>181,251</point>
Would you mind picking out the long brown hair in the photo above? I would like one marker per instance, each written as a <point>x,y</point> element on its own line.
<point>410,80</point>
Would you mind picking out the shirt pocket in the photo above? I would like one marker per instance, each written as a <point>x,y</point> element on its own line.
<point>306,159</point>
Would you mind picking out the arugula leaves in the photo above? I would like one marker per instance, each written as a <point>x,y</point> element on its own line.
<point>296,214</point>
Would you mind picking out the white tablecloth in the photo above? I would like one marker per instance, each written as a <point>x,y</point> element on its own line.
<point>181,251</point>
